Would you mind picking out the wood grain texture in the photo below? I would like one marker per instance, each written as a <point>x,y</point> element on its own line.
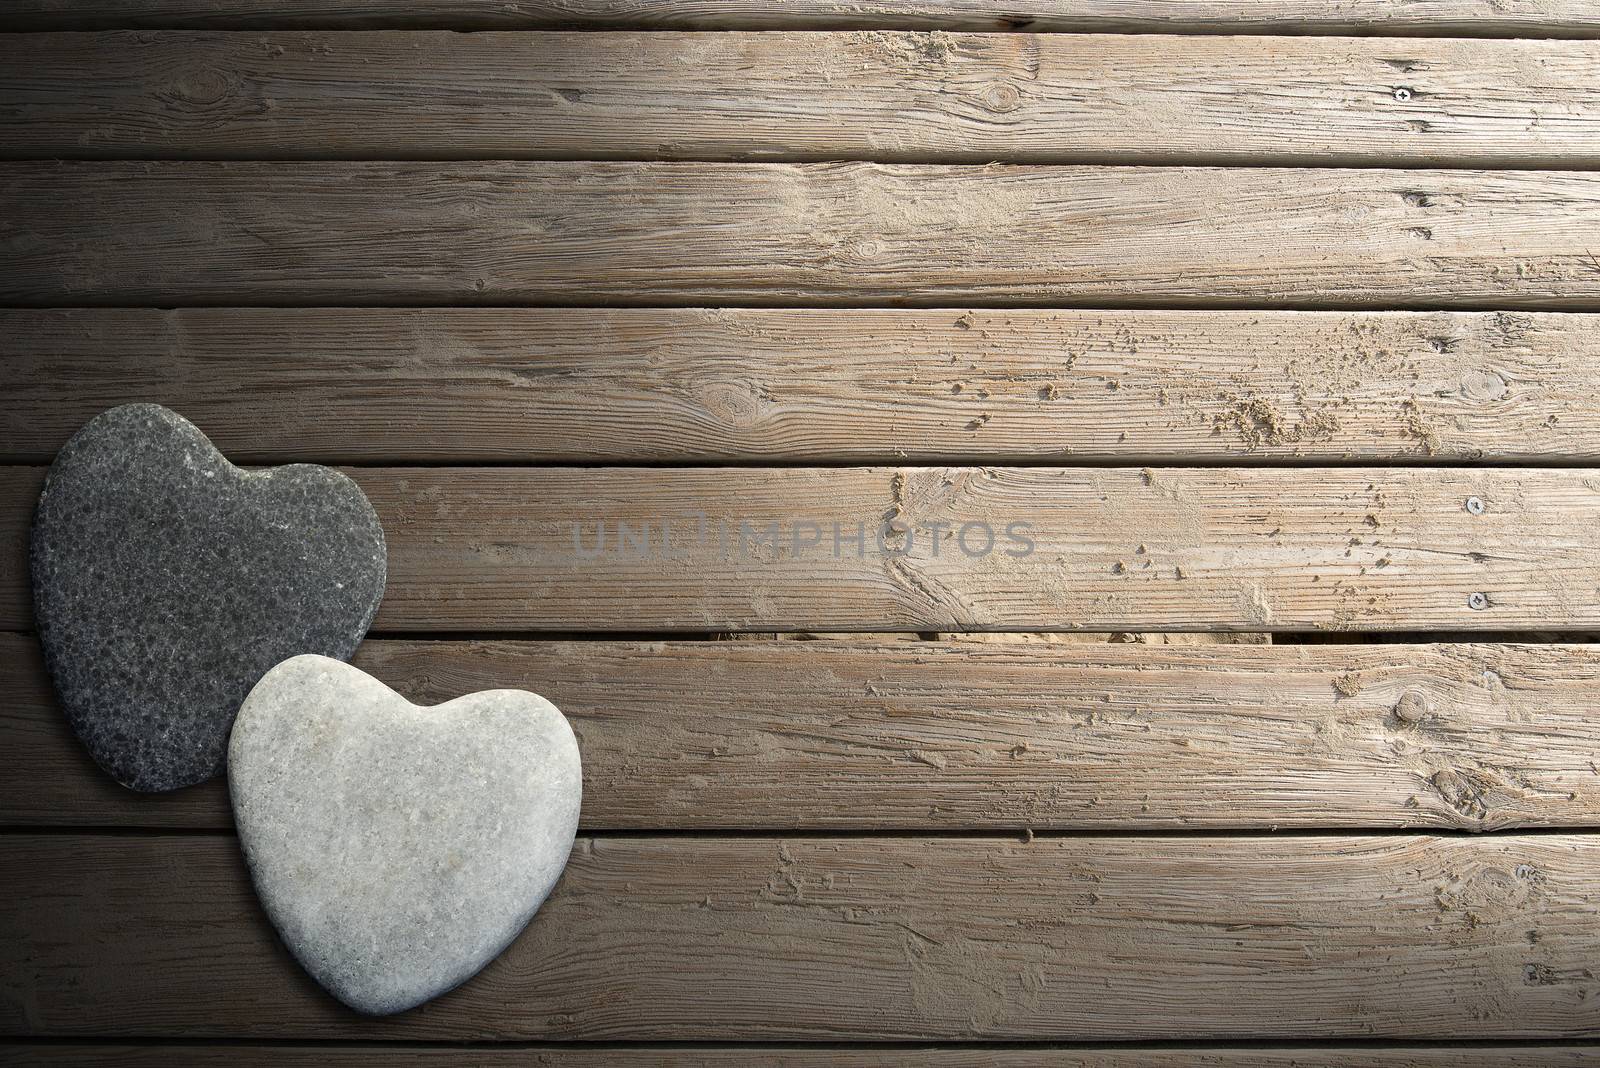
<point>717,549</point>
<point>1533,18</point>
<point>866,95</point>
<point>794,234</point>
<point>816,385</point>
<point>200,1055</point>
<point>766,939</point>
<point>952,735</point>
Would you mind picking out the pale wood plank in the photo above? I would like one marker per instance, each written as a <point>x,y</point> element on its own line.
<point>109,1055</point>
<point>850,233</point>
<point>820,385</point>
<point>1534,18</point>
<point>873,95</point>
<point>821,939</point>
<point>1258,549</point>
<point>955,736</point>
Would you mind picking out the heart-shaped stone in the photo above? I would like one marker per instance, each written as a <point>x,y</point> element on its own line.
<point>399,848</point>
<point>166,581</point>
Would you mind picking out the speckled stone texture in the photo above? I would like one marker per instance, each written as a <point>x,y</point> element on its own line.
<point>166,582</point>
<point>397,848</point>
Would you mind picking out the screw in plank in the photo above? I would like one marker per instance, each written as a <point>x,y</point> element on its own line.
<point>1477,602</point>
<point>1476,506</point>
<point>1402,94</point>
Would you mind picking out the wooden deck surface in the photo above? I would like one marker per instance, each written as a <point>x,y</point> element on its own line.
<point>874,95</point>
<point>1273,324</point>
<point>819,234</point>
<point>864,386</point>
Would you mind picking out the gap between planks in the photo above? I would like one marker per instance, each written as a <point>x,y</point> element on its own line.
<point>770,387</point>
<point>1483,18</point>
<point>507,233</point>
<point>896,737</point>
<point>886,97</point>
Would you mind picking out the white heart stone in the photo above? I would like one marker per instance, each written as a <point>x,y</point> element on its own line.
<point>399,848</point>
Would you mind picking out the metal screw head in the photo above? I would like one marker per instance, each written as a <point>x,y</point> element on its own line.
<point>1477,602</point>
<point>1476,506</point>
<point>1402,94</point>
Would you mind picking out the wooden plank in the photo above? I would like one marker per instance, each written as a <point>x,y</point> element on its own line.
<point>802,234</point>
<point>1029,549</point>
<point>816,385</point>
<point>953,735</point>
<point>817,939</point>
<point>110,1055</point>
<point>872,95</point>
<point>1540,18</point>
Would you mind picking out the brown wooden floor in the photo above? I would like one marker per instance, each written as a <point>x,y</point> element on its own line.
<point>1273,752</point>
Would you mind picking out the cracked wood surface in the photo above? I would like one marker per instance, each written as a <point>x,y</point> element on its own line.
<point>963,548</point>
<point>818,939</point>
<point>133,233</point>
<point>952,735</point>
<point>1532,18</point>
<point>876,95</point>
<point>820,385</point>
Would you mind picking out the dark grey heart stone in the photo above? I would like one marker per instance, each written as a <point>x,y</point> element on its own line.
<point>167,581</point>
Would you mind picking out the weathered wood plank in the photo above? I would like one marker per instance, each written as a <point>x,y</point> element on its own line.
<point>794,234</point>
<point>959,736</point>
<point>1534,18</point>
<point>715,549</point>
<point>829,386</point>
<point>110,1055</point>
<point>825,939</point>
<point>689,385</point>
<point>870,95</point>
